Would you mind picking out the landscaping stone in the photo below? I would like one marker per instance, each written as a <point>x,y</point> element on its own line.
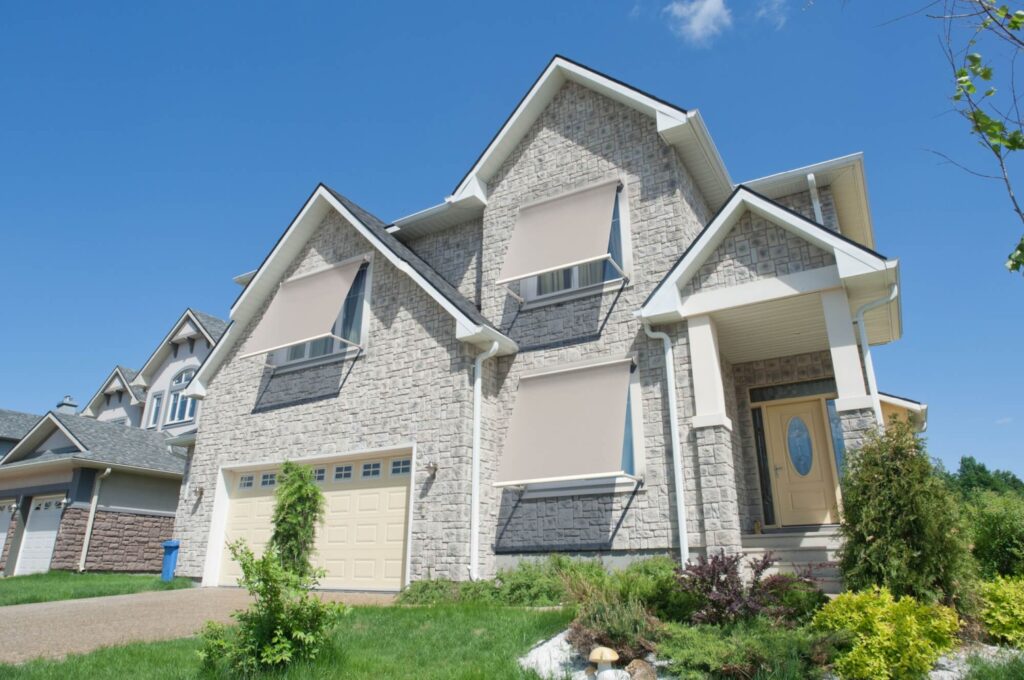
<point>555,659</point>
<point>954,666</point>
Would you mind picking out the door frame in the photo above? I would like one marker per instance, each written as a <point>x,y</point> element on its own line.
<point>821,399</point>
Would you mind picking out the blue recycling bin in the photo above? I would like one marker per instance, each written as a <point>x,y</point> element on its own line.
<point>170,560</point>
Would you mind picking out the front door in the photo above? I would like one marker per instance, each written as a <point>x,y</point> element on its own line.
<point>801,461</point>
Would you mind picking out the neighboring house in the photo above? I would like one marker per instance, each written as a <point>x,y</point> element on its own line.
<point>98,491</point>
<point>598,344</point>
<point>13,426</point>
<point>80,494</point>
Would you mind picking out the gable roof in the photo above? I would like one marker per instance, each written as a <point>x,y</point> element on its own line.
<point>210,326</point>
<point>470,325</point>
<point>852,258</point>
<point>99,443</point>
<point>15,424</point>
<point>123,374</point>
<point>681,128</point>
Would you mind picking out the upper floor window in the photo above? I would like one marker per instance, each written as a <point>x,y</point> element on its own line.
<point>348,326</point>
<point>182,408</point>
<point>155,404</point>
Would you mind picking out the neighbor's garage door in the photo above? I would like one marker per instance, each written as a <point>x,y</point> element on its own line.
<point>6,514</point>
<point>40,536</point>
<point>361,544</point>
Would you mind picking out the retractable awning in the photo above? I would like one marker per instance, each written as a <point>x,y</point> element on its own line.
<point>568,424</point>
<point>304,308</point>
<point>561,232</point>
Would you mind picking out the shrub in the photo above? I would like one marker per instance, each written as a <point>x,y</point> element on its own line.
<point>751,649</point>
<point>605,618</point>
<point>653,582</point>
<point>1003,609</point>
<point>722,597</point>
<point>997,525</point>
<point>900,521</point>
<point>889,638</point>
<point>286,622</point>
<point>298,510</point>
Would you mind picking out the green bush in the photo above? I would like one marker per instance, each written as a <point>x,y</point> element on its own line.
<point>791,599</point>
<point>889,638</point>
<point>286,622</point>
<point>752,649</point>
<point>298,511</point>
<point>1003,609</point>
<point>997,526</point>
<point>604,617</point>
<point>653,582</point>
<point>901,522</point>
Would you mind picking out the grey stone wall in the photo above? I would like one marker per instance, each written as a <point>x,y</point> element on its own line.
<point>455,254</point>
<point>412,384</point>
<point>857,425</point>
<point>120,541</point>
<point>756,249</point>
<point>582,138</point>
<point>764,373</point>
<point>718,495</point>
<point>801,203</point>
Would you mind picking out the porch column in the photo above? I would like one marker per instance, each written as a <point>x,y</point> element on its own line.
<point>714,441</point>
<point>854,405</point>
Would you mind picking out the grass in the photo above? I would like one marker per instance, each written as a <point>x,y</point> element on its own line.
<point>444,642</point>
<point>982,669</point>
<point>67,585</point>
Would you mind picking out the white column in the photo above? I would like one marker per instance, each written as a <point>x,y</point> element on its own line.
<point>708,390</point>
<point>842,341</point>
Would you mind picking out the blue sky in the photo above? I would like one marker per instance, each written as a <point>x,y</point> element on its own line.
<point>151,151</point>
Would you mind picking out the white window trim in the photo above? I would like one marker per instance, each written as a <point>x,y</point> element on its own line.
<point>391,469</point>
<point>346,480</point>
<point>280,356</point>
<point>609,485</point>
<point>362,469</point>
<point>528,287</point>
<point>247,477</point>
<point>153,418</point>
<point>263,476</point>
<point>320,469</point>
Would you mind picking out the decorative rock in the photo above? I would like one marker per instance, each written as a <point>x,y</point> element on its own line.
<point>639,669</point>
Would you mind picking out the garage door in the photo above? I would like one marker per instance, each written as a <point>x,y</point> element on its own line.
<point>6,513</point>
<point>40,536</point>
<point>361,544</point>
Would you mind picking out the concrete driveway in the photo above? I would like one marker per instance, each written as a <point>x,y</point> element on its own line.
<point>55,629</point>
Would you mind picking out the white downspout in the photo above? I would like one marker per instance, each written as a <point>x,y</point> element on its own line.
<point>92,518</point>
<point>673,423</point>
<point>865,349</point>
<point>812,188</point>
<point>474,499</point>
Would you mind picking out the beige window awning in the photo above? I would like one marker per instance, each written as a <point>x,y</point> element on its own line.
<point>568,425</point>
<point>304,308</point>
<point>561,232</point>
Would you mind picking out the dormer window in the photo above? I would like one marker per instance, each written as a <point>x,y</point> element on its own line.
<point>349,326</point>
<point>182,409</point>
<point>566,243</point>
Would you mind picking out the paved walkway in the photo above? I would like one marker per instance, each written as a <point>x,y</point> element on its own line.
<point>56,629</point>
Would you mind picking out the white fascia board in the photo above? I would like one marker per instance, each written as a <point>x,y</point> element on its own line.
<point>763,290</point>
<point>850,259</point>
<point>142,379</point>
<point>691,138</point>
<point>823,168</point>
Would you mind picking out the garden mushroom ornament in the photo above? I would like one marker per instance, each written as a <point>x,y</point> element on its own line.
<point>604,658</point>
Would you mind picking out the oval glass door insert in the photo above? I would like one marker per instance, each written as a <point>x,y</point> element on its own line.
<point>798,441</point>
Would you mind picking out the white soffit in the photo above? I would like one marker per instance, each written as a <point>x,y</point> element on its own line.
<point>772,329</point>
<point>845,177</point>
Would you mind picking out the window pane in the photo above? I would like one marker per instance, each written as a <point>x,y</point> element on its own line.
<point>628,464</point>
<point>154,412</point>
<point>318,348</point>
<point>838,443</point>
<point>191,408</point>
<point>592,273</point>
<point>352,310</point>
<point>296,352</point>
<point>552,282</point>
<point>614,245</point>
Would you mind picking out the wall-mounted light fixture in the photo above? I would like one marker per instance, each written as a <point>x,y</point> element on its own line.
<point>431,469</point>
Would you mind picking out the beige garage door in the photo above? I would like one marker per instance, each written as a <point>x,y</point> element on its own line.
<point>361,544</point>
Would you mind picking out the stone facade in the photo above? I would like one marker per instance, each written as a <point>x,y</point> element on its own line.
<point>801,203</point>
<point>857,425</point>
<point>120,541</point>
<point>717,492</point>
<point>753,250</point>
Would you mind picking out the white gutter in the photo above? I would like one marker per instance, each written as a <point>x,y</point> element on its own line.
<point>865,349</point>
<point>673,423</point>
<point>812,188</point>
<point>92,517</point>
<point>474,499</point>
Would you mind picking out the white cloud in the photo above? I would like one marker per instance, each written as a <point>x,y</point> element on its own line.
<point>698,21</point>
<point>1004,421</point>
<point>773,12</point>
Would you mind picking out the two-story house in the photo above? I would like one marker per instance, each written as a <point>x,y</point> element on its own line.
<point>597,345</point>
<point>98,490</point>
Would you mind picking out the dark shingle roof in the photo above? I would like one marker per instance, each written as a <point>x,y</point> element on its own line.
<point>121,445</point>
<point>129,375</point>
<point>213,325</point>
<point>379,229</point>
<point>15,424</point>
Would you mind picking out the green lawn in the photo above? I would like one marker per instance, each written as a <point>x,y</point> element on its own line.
<point>441,642</point>
<point>67,585</point>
